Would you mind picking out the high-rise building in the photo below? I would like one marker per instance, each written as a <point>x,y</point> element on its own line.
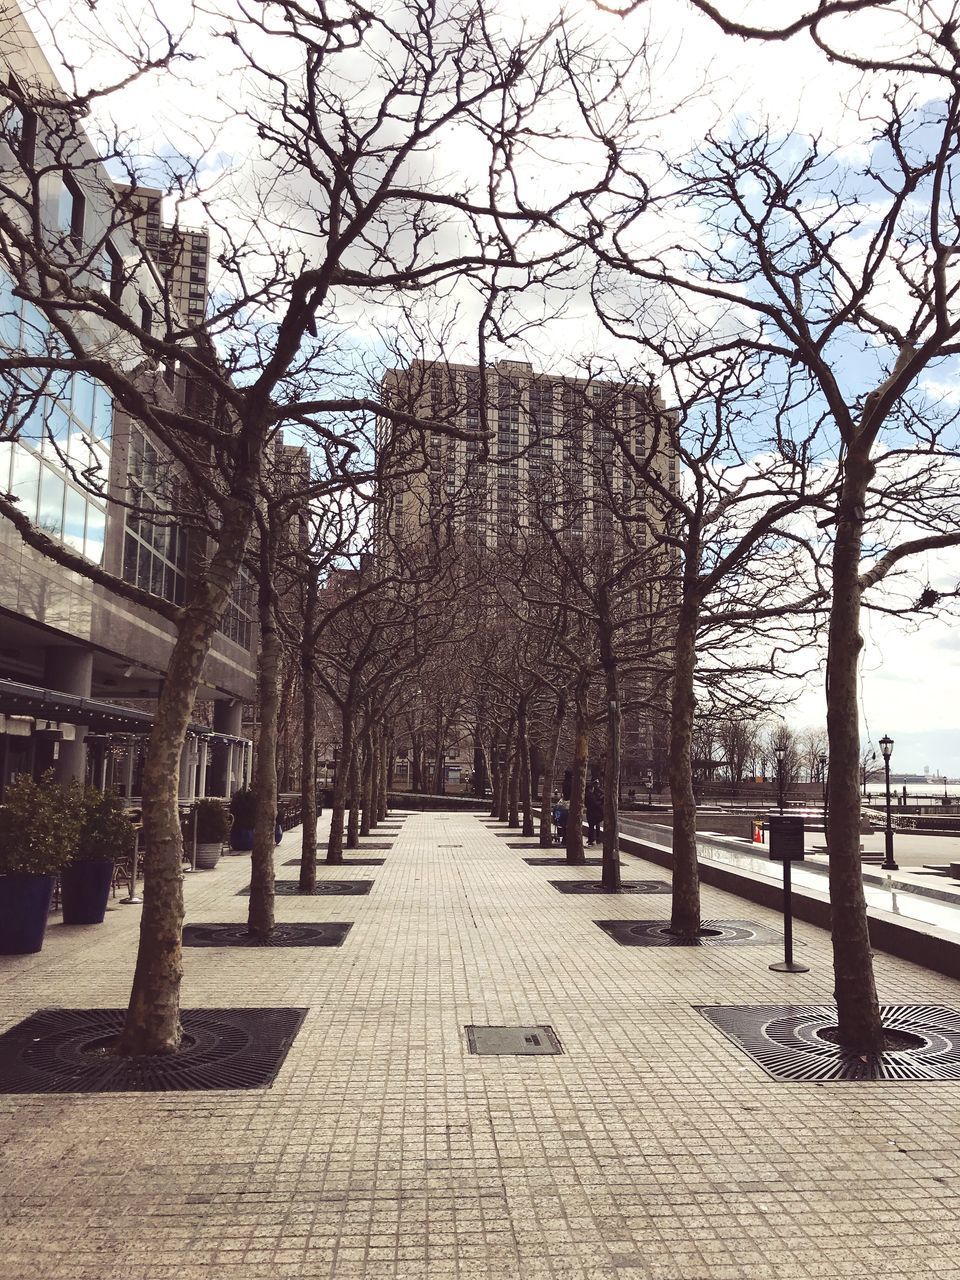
<point>550,452</point>
<point>182,256</point>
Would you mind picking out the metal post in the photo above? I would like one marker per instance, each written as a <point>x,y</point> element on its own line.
<point>888,862</point>
<point>133,898</point>
<point>789,965</point>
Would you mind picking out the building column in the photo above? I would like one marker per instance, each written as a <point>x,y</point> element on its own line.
<point>70,670</point>
<point>228,719</point>
<point>204,755</point>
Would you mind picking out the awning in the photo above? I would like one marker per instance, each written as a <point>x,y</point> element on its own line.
<point>18,699</point>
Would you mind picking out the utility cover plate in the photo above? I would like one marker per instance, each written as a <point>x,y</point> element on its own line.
<point>720,933</point>
<point>626,886</point>
<point>62,1051</point>
<point>784,1041</point>
<point>513,1041</point>
<point>323,888</point>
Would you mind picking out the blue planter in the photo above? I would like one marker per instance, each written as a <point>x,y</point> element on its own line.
<point>85,887</point>
<point>24,905</point>
<point>241,838</point>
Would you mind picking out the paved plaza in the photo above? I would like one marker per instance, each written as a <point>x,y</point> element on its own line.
<point>650,1148</point>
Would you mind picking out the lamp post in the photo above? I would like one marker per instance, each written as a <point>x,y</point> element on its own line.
<point>823,781</point>
<point>780,751</point>
<point>888,864</point>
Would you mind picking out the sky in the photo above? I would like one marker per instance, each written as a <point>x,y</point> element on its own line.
<point>700,80</point>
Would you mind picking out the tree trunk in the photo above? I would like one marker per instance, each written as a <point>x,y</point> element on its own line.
<point>152,1022</point>
<point>366,784</point>
<point>513,789</point>
<point>416,776</point>
<point>549,771</point>
<point>578,780</point>
<point>523,748</point>
<point>685,917</point>
<point>353,783</point>
<point>503,812</point>
<point>386,756</point>
<point>260,906</point>
<point>611,785</point>
<point>308,780</point>
<point>495,775</point>
<point>858,1010</point>
<point>340,783</point>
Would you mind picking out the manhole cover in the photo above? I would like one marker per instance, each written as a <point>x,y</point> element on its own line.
<point>717,933</point>
<point>283,935</point>
<point>519,1041</point>
<point>56,1051</point>
<point>626,886</point>
<point>786,1041</point>
<point>347,862</point>
<point>291,888</point>
<point>562,862</point>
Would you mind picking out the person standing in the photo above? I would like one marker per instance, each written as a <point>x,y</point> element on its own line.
<point>594,806</point>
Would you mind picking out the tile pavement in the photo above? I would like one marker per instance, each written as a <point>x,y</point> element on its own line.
<point>650,1150</point>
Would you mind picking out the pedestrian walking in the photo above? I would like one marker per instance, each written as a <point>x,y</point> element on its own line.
<point>594,807</point>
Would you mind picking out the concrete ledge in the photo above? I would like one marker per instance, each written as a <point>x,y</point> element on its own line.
<point>923,944</point>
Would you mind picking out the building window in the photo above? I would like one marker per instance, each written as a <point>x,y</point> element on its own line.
<point>19,127</point>
<point>72,213</point>
<point>237,621</point>
<point>154,544</point>
<point>146,316</point>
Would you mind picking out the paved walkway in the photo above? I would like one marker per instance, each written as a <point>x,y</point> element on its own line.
<point>652,1148</point>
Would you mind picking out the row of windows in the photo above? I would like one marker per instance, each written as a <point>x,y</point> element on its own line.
<point>57,507</point>
<point>154,546</point>
<point>237,621</point>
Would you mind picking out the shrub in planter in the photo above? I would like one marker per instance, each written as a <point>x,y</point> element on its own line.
<point>243,808</point>
<point>106,834</point>
<point>213,828</point>
<point>39,831</point>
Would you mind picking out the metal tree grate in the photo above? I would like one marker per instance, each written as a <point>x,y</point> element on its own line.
<point>720,933</point>
<point>323,888</point>
<point>283,935</point>
<point>513,1041</point>
<point>626,886</point>
<point>784,1040</point>
<point>347,862</point>
<point>562,862</point>
<point>364,845</point>
<point>63,1051</point>
<point>530,842</point>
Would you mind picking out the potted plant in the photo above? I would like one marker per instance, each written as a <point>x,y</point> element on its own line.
<point>243,808</point>
<point>39,830</point>
<point>213,828</point>
<point>106,834</point>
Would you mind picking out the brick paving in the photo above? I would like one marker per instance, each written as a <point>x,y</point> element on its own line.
<point>652,1148</point>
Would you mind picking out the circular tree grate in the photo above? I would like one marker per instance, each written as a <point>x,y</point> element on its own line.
<point>786,1041</point>
<point>347,862</point>
<point>626,886</point>
<point>62,1051</point>
<point>717,933</point>
<point>323,888</point>
<point>283,935</point>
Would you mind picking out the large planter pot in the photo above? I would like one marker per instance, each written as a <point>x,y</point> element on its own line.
<point>24,905</point>
<point>208,855</point>
<point>85,887</point>
<point>241,838</point>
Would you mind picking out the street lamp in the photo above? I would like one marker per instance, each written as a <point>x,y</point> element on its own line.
<point>823,780</point>
<point>780,751</point>
<point>888,864</point>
